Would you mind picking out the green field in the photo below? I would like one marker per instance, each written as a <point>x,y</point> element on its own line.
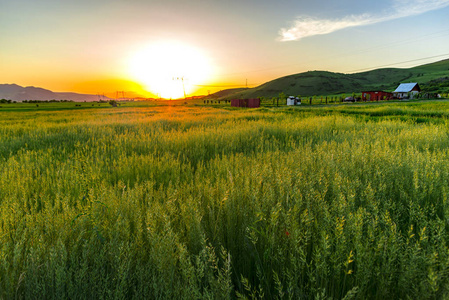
<point>152,201</point>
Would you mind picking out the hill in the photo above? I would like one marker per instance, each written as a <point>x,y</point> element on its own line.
<point>226,93</point>
<point>18,93</point>
<point>329,83</point>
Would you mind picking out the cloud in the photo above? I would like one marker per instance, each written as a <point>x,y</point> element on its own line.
<point>308,26</point>
<point>305,26</point>
<point>405,8</point>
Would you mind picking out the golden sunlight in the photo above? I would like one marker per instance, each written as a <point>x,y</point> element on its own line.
<point>170,69</point>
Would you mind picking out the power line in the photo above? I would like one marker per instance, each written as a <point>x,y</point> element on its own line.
<point>394,43</point>
<point>385,45</point>
<point>224,86</point>
<point>399,63</point>
<point>365,69</point>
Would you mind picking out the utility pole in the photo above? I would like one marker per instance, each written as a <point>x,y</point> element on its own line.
<point>183,88</point>
<point>118,93</point>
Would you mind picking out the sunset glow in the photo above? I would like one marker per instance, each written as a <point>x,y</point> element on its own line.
<point>152,48</point>
<point>168,69</point>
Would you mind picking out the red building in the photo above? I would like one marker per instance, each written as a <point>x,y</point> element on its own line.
<point>251,103</point>
<point>376,96</point>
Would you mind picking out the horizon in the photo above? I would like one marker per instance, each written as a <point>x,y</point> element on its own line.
<point>133,95</point>
<point>172,48</point>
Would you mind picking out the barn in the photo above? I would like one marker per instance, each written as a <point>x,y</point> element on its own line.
<point>407,90</point>
<point>376,95</point>
<point>251,103</point>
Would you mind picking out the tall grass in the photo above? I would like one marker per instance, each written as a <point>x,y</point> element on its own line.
<point>172,202</point>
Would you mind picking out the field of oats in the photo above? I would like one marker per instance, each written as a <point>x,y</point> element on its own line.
<point>191,202</point>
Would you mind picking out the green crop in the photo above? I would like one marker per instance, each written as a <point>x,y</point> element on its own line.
<point>198,202</point>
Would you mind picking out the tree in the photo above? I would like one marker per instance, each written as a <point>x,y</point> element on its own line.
<point>282,97</point>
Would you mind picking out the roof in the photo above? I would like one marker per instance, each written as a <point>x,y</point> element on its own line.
<point>405,87</point>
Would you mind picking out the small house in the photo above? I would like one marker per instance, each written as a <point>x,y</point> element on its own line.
<point>376,95</point>
<point>407,90</point>
<point>238,103</point>
<point>250,103</point>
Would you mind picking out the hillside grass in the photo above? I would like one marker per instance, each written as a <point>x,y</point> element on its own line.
<point>196,202</point>
<point>315,83</point>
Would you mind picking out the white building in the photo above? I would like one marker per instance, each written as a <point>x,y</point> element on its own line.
<point>407,90</point>
<point>292,100</point>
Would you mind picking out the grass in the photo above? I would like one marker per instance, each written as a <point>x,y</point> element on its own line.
<point>201,202</point>
<point>312,83</point>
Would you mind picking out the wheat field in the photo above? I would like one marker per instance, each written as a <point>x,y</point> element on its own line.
<point>196,202</point>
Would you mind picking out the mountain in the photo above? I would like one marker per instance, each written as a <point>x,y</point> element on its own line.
<point>18,93</point>
<point>328,83</point>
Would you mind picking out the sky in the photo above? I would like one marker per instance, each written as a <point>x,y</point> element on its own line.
<point>170,48</point>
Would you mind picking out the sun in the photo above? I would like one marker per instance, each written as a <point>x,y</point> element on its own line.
<point>170,70</point>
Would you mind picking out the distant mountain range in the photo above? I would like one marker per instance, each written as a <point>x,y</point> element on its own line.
<point>18,93</point>
<point>432,77</point>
